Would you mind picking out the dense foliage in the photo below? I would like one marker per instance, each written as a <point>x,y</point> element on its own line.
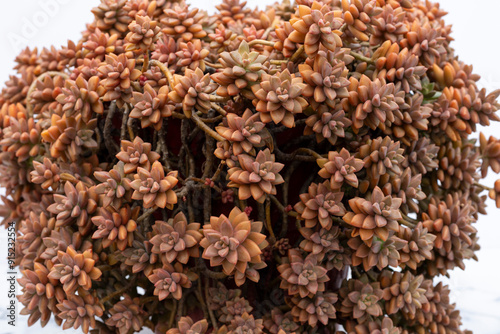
<point>306,168</point>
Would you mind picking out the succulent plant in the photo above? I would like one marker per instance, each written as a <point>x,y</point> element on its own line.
<point>233,242</point>
<point>327,146</point>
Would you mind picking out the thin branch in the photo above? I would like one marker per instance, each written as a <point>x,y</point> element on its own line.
<point>172,315</point>
<point>295,156</point>
<point>108,126</point>
<point>286,185</point>
<point>180,306</point>
<point>145,65</point>
<point>210,311</point>
<point>178,115</point>
<point>130,127</point>
<point>202,182</point>
<point>269,226</point>
<point>308,151</point>
<point>216,175</point>
<point>184,191</point>
<point>212,274</point>
<point>164,69</point>
<point>212,119</point>
<point>119,292</point>
<point>215,98</point>
<point>477,184</point>
<point>123,131</point>
<point>212,65</point>
<point>146,214</point>
<point>411,220</point>
<point>355,272</point>
<point>202,302</point>
<point>297,53</point>
<point>162,148</point>
<point>279,62</point>
<point>282,208</point>
<point>270,28</point>
<point>406,223</point>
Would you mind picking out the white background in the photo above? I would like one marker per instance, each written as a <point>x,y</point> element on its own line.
<point>476,28</point>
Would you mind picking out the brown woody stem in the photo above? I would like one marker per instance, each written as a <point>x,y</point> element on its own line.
<point>360,57</point>
<point>261,42</point>
<point>164,69</point>
<point>297,224</point>
<point>355,272</point>
<point>180,306</point>
<point>411,220</point>
<point>201,181</point>
<point>216,175</point>
<point>130,129</point>
<point>270,28</point>
<point>177,115</point>
<point>272,237</point>
<point>212,119</point>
